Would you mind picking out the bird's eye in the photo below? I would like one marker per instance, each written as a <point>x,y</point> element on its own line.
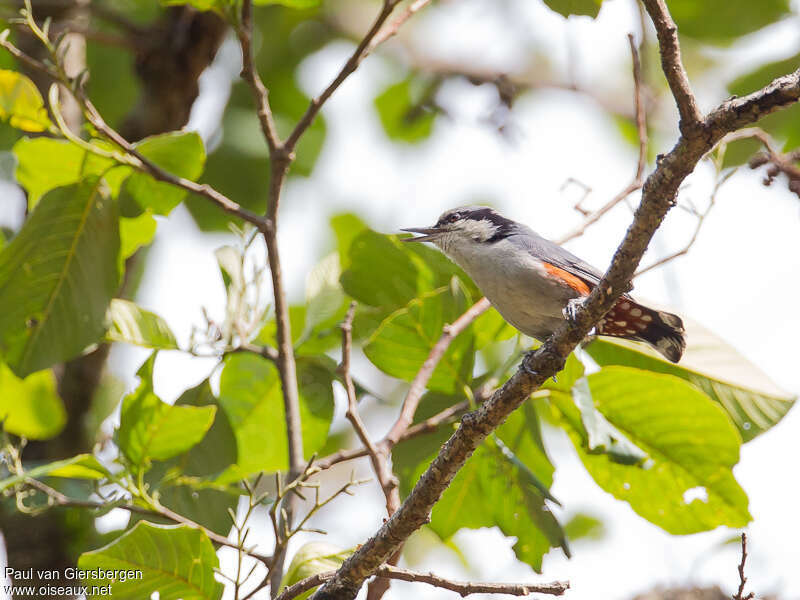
<point>453,218</point>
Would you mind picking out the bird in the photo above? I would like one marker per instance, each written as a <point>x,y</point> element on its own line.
<point>535,284</point>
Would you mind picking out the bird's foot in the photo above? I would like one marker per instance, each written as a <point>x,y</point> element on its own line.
<point>570,311</point>
<point>527,368</point>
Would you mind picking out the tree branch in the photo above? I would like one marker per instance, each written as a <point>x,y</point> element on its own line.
<point>464,588</point>
<point>244,31</point>
<point>658,196</point>
<point>641,164</point>
<point>740,595</point>
<point>671,63</point>
<point>364,47</point>
<point>422,377</point>
<point>378,456</point>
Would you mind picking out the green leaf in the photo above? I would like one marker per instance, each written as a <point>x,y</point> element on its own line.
<point>250,395</point>
<point>748,396</point>
<point>179,153</point>
<point>324,295</point>
<point>134,325</point>
<point>575,7</point>
<point>45,163</point>
<point>401,112</point>
<point>21,103</point>
<point>177,562</point>
<point>346,227</point>
<point>584,527</point>
<point>720,21</point>
<point>504,484</point>
<point>193,495</point>
<point>490,327</point>
<point>135,232</point>
<point>152,429</point>
<point>310,559</point>
<point>30,407</point>
<point>601,436</point>
<point>687,486</point>
<point>403,341</point>
<point>82,466</point>
<point>57,277</point>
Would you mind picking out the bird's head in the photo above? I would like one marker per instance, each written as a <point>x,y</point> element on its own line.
<point>464,225</point>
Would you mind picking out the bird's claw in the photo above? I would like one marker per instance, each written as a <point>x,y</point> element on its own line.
<point>570,311</point>
<point>526,367</point>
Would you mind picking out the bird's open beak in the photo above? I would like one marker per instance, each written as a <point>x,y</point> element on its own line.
<point>429,233</point>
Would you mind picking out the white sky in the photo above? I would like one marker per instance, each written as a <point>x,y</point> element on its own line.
<point>740,279</point>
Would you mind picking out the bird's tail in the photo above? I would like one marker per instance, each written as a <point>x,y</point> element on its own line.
<point>662,330</point>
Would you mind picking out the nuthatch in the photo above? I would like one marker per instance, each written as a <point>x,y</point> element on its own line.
<point>534,283</point>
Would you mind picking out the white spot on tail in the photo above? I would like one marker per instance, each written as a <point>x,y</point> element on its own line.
<point>647,318</point>
<point>625,305</point>
<point>636,312</point>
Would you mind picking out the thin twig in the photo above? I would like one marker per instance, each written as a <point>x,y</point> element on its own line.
<point>379,457</point>
<point>701,218</point>
<point>140,162</point>
<point>422,377</point>
<point>641,163</point>
<point>60,499</point>
<point>469,587</point>
<point>364,47</point>
<point>464,588</point>
<point>244,32</point>
<point>672,64</point>
<point>740,595</point>
<point>392,29</point>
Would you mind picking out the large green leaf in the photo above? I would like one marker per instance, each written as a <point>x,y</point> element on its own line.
<point>748,396</point>
<point>687,484</point>
<point>57,277</point>
<point>404,340</point>
<point>250,395</point>
<point>134,325</point>
<point>720,21</point>
<point>45,163</point>
<point>30,407</point>
<point>21,103</point>
<point>575,7</point>
<point>177,562</point>
<point>178,153</point>
<point>184,482</point>
<point>82,466</point>
<point>152,429</point>
<point>504,484</point>
<point>135,232</point>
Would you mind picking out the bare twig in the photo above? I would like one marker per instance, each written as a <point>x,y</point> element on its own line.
<point>422,377</point>
<point>701,218</point>
<point>393,27</point>
<point>778,161</point>
<point>59,499</point>
<point>244,32</point>
<point>379,457</point>
<point>641,164</point>
<point>740,595</point>
<point>364,47</point>
<point>672,64</point>
<point>466,588</point>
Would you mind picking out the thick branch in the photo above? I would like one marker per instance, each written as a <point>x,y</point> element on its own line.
<point>671,63</point>
<point>658,196</point>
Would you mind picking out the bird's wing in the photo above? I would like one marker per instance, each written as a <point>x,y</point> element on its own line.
<point>553,254</point>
